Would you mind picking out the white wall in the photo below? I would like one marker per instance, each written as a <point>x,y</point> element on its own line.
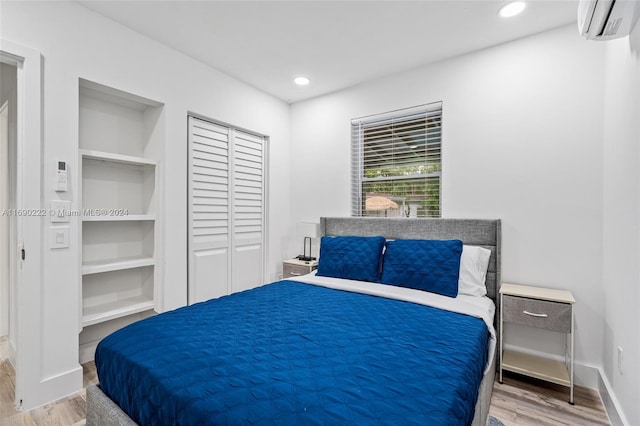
<point>522,142</point>
<point>77,43</point>
<point>621,221</point>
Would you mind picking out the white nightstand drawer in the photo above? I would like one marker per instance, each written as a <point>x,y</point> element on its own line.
<point>537,313</point>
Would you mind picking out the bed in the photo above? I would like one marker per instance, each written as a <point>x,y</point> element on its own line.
<point>323,349</point>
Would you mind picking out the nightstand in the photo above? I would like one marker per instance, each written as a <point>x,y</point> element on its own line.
<point>295,268</point>
<point>544,308</point>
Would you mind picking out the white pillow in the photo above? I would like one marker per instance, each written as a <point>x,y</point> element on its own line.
<point>474,262</point>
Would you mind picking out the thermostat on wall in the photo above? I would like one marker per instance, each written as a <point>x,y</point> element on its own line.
<point>61,177</point>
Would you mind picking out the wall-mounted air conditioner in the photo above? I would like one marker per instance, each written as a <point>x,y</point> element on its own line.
<point>607,19</point>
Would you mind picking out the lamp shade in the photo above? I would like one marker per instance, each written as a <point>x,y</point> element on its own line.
<point>308,229</point>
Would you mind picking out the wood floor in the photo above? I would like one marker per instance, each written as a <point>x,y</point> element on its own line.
<point>66,412</point>
<point>523,401</point>
<point>516,402</point>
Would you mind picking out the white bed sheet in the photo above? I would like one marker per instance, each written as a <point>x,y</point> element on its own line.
<point>477,306</point>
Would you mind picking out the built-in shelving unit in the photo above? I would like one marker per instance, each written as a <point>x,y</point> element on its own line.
<point>120,136</point>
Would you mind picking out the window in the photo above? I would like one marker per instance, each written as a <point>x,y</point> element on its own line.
<point>396,166</point>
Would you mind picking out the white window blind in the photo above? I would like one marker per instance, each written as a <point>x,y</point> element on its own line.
<point>396,163</point>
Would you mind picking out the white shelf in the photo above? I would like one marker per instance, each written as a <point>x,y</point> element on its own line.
<point>534,366</point>
<point>117,158</point>
<point>100,266</point>
<point>129,218</point>
<point>116,309</point>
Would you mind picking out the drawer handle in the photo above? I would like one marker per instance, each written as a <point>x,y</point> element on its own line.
<point>531,314</point>
<point>295,274</point>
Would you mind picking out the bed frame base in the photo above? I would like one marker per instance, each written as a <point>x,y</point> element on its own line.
<point>102,411</point>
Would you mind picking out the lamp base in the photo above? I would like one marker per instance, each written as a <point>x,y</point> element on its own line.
<point>305,258</point>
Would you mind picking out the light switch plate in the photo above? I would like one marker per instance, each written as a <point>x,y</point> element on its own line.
<point>60,210</point>
<point>58,237</point>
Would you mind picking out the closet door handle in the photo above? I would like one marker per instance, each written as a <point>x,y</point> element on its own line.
<point>531,314</point>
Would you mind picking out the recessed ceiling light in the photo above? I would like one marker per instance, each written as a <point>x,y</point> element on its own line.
<point>301,81</point>
<point>512,9</point>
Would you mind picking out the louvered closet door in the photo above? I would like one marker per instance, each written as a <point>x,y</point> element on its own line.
<point>226,210</point>
<point>210,242</point>
<point>248,207</point>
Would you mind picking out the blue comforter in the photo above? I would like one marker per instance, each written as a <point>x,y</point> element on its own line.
<point>290,353</point>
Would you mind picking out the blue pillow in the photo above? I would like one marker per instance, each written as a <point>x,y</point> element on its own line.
<point>430,265</point>
<point>353,258</point>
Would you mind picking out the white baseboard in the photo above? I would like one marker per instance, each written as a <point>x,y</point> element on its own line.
<point>87,351</point>
<point>611,404</point>
<point>54,388</point>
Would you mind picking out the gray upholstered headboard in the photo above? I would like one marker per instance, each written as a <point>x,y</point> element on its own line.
<point>477,232</point>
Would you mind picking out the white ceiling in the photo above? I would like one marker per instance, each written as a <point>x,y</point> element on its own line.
<point>336,44</point>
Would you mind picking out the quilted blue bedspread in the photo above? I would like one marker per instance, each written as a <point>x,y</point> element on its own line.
<point>290,353</point>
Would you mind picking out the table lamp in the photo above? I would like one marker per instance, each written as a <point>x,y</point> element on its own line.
<point>307,230</point>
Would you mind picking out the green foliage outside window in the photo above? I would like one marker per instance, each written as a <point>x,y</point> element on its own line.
<point>423,192</point>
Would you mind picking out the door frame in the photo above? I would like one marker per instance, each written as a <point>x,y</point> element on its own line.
<point>28,272</point>
<point>6,240</point>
